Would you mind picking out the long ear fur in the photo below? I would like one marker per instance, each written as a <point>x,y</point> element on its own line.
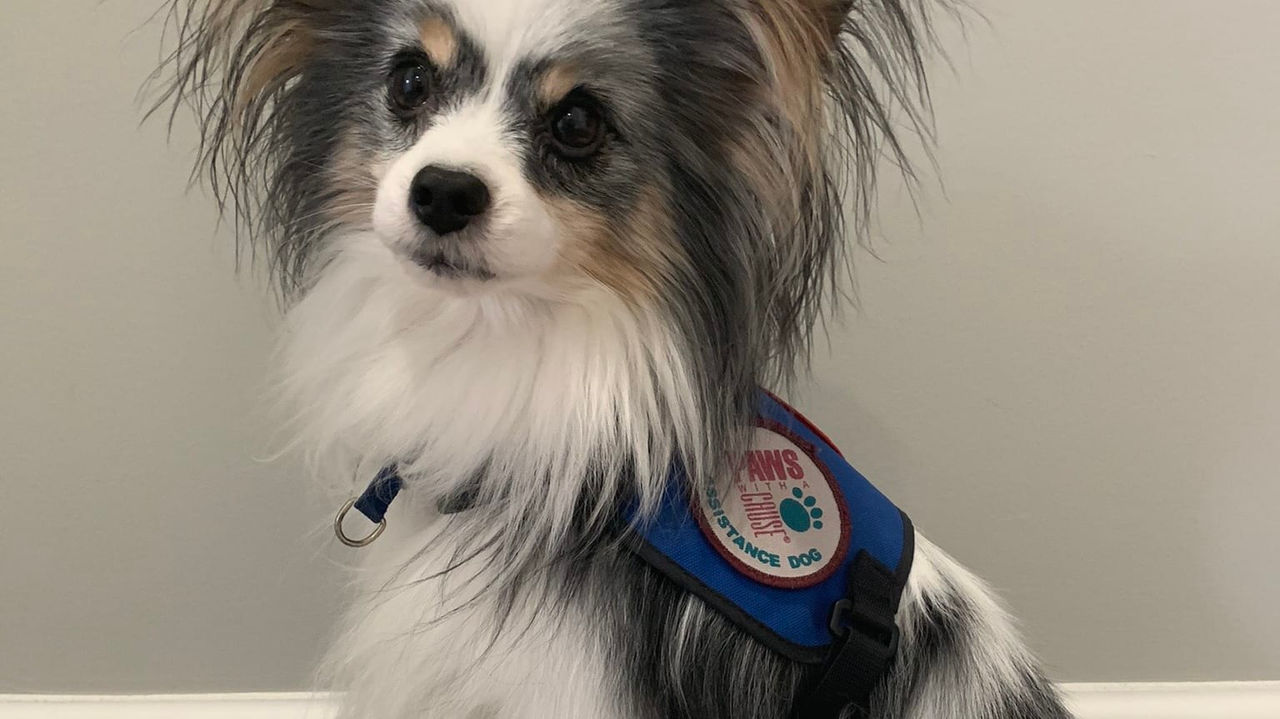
<point>234,64</point>
<point>843,76</point>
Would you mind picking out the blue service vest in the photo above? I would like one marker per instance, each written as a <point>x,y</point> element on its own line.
<point>791,617</point>
<point>798,549</point>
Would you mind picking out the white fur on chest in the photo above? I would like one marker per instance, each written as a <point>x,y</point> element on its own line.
<point>426,648</point>
<point>382,367</point>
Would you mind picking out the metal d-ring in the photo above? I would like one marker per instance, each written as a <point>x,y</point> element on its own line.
<point>356,543</point>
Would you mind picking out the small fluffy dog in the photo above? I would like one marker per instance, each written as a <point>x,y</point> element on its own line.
<point>537,253</point>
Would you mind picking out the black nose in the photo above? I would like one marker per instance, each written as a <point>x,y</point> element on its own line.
<point>447,200</point>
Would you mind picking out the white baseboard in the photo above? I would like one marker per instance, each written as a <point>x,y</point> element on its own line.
<point>1217,700</point>
<point>167,706</point>
<point>1186,700</point>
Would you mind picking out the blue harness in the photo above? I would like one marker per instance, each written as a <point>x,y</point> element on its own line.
<point>799,550</point>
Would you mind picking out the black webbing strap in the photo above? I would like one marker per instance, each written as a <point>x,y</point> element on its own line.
<point>866,643</point>
<point>379,495</point>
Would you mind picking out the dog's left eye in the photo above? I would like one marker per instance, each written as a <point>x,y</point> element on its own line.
<point>409,85</point>
<point>578,128</point>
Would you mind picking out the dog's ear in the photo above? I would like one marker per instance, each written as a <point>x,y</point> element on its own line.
<point>860,58</point>
<point>233,56</point>
<point>840,81</point>
<point>234,64</point>
<point>282,37</point>
<point>822,19</point>
<point>797,41</point>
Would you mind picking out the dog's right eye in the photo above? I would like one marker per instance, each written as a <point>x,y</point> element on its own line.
<point>409,85</point>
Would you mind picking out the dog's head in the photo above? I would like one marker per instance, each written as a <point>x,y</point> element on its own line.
<point>685,157</point>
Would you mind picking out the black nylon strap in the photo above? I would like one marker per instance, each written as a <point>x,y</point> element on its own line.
<point>867,642</point>
<point>379,495</point>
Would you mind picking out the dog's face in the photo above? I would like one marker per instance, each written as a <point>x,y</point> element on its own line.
<point>531,144</point>
<point>513,144</point>
<point>539,145</point>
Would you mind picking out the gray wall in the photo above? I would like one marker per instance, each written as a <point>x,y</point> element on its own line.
<point>1065,366</point>
<point>145,544</point>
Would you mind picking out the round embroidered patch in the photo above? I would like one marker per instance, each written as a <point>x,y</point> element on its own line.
<point>782,521</point>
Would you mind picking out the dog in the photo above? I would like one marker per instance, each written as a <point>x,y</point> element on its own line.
<point>537,253</point>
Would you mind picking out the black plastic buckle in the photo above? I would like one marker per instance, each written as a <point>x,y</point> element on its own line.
<point>865,646</point>
<point>846,617</point>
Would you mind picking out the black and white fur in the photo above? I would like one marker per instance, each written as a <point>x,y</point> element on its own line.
<point>607,316</point>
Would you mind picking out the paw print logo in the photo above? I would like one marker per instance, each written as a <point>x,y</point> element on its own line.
<point>800,513</point>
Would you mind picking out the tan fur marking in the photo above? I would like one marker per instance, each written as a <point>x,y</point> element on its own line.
<point>628,257</point>
<point>796,42</point>
<point>556,82</point>
<point>439,41</point>
<point>280,59</point>
<point>796,39</point>
<point>355,187</point>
